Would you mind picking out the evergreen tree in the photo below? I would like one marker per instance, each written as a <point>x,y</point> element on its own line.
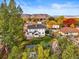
<point>12,4</point>
<point>4,19</point>
<point>3,4</point>
<point>12,24</point>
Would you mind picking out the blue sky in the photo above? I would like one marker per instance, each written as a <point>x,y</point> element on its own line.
<point>51,7</point>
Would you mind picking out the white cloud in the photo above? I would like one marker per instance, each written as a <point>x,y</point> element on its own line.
<point>53,9</point>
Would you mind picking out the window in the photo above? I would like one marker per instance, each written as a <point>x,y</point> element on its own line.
<point>42,32</point>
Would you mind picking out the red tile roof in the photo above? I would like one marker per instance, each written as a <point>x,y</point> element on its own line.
<point>69,29</point>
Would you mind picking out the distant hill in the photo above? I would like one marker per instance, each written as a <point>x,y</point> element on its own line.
<point>68,16</point>
<point>46,15</point>
<point>36,15</point>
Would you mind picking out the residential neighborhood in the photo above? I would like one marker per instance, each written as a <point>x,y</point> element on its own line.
<point>39,29</point>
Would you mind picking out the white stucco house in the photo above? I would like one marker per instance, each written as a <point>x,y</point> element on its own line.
<point>35,30</point>
<point>55,28</point>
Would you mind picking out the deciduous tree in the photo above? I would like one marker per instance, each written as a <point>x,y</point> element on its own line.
<point>40,52</point>
<point>69,53</point>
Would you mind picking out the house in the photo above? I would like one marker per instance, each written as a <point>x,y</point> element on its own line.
<point>32,53</point>
<point>77,27</point>
<point>68,31</point>
<point>55,28</point>
<point>25,26</point>
<point>30,46</point>
<point>35,30</point>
